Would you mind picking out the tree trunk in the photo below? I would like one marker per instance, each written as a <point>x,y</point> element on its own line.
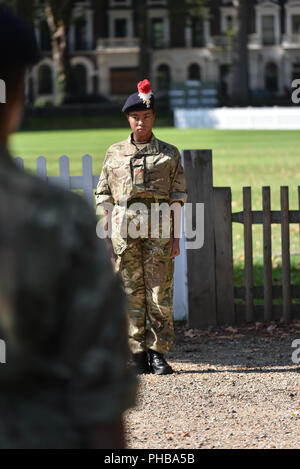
<point>240,55</point>
<point>59,30</point>
<point>144,68</point>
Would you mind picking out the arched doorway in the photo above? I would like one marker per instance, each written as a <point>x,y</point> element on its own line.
<point>79,79</point>
<point>194,72</point>
<point>45,80</point>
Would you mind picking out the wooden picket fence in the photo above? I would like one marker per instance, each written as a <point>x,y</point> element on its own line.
<point>210,281</point>
<point>212,293</point>
<point>87,182</point>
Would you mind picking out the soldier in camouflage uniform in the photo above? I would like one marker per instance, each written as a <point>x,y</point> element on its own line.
<point>143,169</point>
<point>65,382</point>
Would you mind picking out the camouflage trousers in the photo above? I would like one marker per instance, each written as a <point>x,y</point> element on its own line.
<point>147,272</point>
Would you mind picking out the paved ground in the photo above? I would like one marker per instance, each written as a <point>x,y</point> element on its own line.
<point>233,388</point>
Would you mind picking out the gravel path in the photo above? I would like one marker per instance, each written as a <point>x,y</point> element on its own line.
<point>233,388</point>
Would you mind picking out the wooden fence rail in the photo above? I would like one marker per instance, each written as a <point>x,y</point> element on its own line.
<point>212,297</point>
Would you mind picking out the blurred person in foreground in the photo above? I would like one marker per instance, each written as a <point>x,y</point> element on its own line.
<point>65,383</point>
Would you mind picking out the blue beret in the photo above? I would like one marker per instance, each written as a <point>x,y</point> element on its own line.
<point>135,103</point>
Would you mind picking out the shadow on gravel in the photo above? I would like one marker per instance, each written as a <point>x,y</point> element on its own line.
<point>259,348</point>
<point>243,370</point>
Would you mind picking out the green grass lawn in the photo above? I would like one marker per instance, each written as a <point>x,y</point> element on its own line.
<point>240,158</point>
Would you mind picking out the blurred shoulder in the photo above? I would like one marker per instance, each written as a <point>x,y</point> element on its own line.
<point>50,205</point>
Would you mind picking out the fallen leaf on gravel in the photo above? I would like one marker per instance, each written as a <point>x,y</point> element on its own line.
<point>231,329</point>
<point>190,333</point>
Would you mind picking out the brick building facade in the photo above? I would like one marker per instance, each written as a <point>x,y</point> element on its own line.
<point>104,48</point>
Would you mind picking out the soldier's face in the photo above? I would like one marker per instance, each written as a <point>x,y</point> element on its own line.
<point>141,123</point>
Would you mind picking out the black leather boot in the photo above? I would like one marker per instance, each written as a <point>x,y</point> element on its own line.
<point>158,364</point>
<point>140,363</point>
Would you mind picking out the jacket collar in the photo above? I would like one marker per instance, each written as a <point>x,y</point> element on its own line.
<point>151,148</point>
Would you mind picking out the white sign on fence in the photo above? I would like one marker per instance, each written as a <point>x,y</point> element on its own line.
<point>88,183</point>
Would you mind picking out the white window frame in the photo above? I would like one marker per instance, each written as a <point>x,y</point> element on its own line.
<point>227,11</point>
<point>291,8</point>
<point>119,15</point>
<point>206,25</point>
<point>88,14</point>
<point>164,15</point>
<point>270,9</point>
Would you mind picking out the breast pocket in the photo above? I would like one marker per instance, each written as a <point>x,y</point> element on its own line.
<point>138,171</point>
<point>119,170</point>
<point>158,172</point>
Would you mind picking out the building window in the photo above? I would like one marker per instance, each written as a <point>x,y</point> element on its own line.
<point>229,24</point>
<point>268,30</point>
<point>271,77</point>
<point>296,24</point>
<point>45,37</point>
<point>121,27</point>
<point>45,80</point>
<point>163,77</point>
<point>157,33</point>
<point>194,72</point>
<point>198,32</point>
<point>80,34</point>
<point>296,71</point>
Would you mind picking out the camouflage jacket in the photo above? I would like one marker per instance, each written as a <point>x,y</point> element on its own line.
<point>61,316</point>
<point>152,172</point>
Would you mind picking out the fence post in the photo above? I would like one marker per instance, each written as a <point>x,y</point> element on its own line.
<point>41,168</point>
<point>201,262</point>
<point>285,243</point>
<point>87,177</point>
<point>19,162</point>
<point>248,249</point>
<point>224,262</point>
<point>267,234</point>
<point>64,172</point>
